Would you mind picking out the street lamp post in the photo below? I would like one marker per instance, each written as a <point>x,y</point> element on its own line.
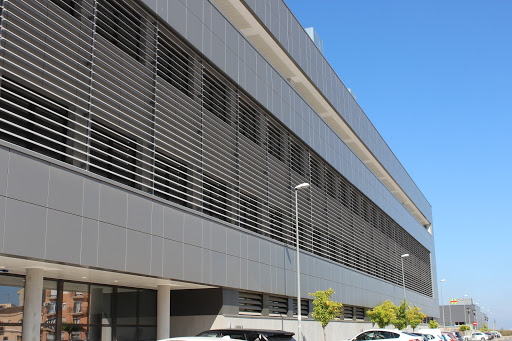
<point>465,321</point>
<point>405,255</point>
<point>299,312</point>
<point>442,307</point>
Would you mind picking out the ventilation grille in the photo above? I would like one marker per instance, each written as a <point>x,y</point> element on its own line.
<point>105,87</point>
<point>278,305</point>
<point>348,312</point>
<point>250,304</point>
<point>304,305</point>
<point>360,313</point>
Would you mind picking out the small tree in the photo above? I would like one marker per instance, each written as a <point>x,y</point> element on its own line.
<point>383,314</point>
<point>324,310</point>
<point>400,320</point>
<point>433,324</point>
<point>484,327</point>
<point>415,317</point>
<point>463,328</point>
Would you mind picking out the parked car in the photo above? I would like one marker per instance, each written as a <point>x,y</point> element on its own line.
<point>432,337</point>
<point>477,336</point>
<point>490,335</point>
<point>423,336</point>
<point>433,334</point>
<point>458,335</point>
<point>496,333</point>
<point>386,334</point>
<point>188,338</point>
<point>450,336</point>
<point>250,334</point>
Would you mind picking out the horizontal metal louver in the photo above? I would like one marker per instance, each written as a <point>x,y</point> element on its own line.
<point>107,87</point>
<point>360,313</point>
<point>250,303</point>
<point>304,305</point>
<point>348,312</point>
<point>278,305</point>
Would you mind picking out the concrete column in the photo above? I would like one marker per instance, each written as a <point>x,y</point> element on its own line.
<point>32,304</point>
<point>163,312</point>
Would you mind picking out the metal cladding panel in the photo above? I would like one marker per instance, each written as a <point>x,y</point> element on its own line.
<point>142,112</point>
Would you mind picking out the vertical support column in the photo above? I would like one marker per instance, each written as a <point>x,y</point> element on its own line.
<point>32,304</point>
<point>163,312</point>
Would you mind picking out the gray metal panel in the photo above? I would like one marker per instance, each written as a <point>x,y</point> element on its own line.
<point>173,223</point>
<point>2,220</point>
<point>157,249</point>
<point>113,205</point>
<point>233,242</point>
<point>25,229</point>
<point>193,230</point>
<point>194,30</point>
<point>193,263</point>
<point>173,259</point>
<point>65,191</point>
<point>28,179</point>
<point>233,272</point>
<point>4,169</point>
<point>63,235</point>
<point>89,245</point>
<point>218,238</point>
<point>111,247</point>
<point>138,255</point>
<point>91,203</point>
<point>139,213</point>
<point>219,271</point>
<point>157,219</point>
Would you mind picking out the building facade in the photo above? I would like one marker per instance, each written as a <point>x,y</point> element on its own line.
<point>149,152</point>
<point>464,312</point>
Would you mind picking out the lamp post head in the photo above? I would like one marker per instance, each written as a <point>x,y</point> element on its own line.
<point>302,186</point>
<point>405,255</point>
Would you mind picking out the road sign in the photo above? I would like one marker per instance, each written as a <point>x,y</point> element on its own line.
<point>474,323</point>
<point>453,301</point>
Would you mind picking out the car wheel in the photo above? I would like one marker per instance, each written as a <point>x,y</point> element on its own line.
<point>483,339</point>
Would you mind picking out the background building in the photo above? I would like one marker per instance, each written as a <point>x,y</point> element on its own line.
<point>148,157</point>
<point>465,311</point>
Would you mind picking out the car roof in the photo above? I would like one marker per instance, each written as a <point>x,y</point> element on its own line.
<point>262,331</point>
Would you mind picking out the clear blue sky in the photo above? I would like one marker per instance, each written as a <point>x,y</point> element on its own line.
<point>435,78</point>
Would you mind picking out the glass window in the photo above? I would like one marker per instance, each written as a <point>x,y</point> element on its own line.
<point>11,306</point>
<point>126,306</point>
<point>101,305</point>
<point>147,307</point>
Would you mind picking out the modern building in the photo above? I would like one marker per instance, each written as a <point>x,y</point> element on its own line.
<point>149,154</point>
<point>463,311</point>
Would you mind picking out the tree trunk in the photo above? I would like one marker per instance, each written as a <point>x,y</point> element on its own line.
<point>323,328</point>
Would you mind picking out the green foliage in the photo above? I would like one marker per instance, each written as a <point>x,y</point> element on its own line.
<point>415,317</point>
<point>484,327</point>
<point>463,328</point>
<point>400,320</point>
<point>383,314</point>
<point>324,310</point>
<point>433,324</point>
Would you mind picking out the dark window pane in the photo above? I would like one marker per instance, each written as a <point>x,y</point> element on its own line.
<point>121,26</point>
<point>126,307</point>
<point>147,308</point>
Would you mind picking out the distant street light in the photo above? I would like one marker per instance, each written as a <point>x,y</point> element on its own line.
<point>405,255</point>
<point>442,307</point>
<point>299,312</point>
<point>464,300</point>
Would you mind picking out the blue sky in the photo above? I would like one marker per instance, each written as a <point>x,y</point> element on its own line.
<point>435,78</point>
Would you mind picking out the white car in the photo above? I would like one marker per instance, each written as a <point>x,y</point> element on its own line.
<point>385,334</point>
<point>478,336</point>
<point>195,338</point>
<point>432,334</point>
